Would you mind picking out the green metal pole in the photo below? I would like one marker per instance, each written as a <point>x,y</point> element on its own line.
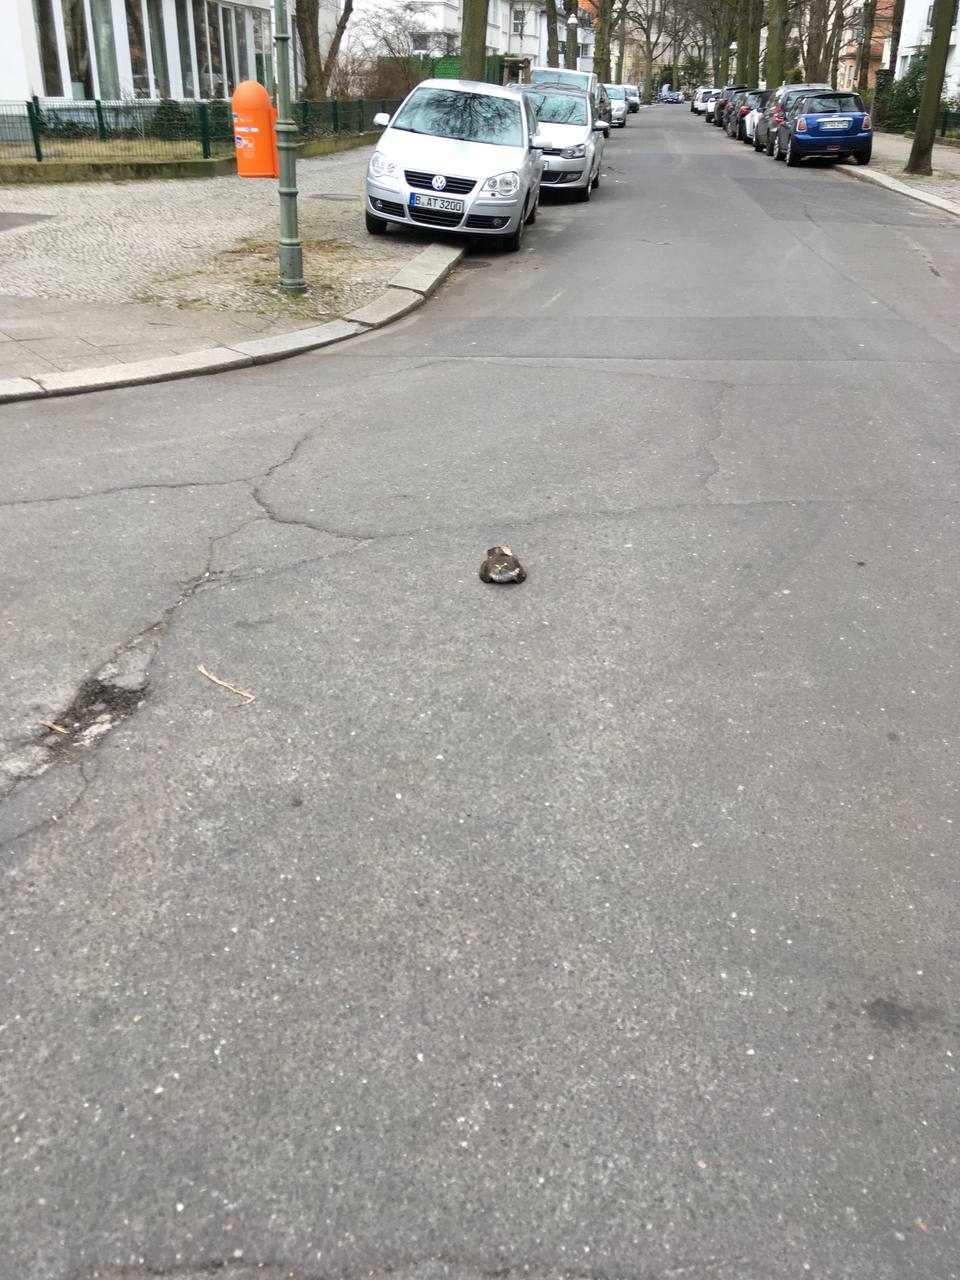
<point>32,116</point>
<point>101,123</point>
<point>291,252</point>
<point>203,116</point>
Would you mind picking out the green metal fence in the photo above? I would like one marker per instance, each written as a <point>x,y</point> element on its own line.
<point>38,130</point>
<point>948,123</point>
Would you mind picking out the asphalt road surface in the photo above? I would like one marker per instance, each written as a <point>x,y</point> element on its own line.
<point>603,927</point>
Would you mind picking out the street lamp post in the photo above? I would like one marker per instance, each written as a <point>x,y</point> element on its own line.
<point>291,252</point>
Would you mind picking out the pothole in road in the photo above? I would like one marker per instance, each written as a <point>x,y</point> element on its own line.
<point>100,703</point>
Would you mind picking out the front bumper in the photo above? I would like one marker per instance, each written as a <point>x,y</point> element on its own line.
<point>483,212</point>
<point>558,172</point>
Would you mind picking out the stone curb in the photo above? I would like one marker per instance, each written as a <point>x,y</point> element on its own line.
<point>891,184</point>
<point>407,290</point>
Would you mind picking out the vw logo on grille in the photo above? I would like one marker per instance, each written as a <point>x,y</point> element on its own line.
<point>439,182</point>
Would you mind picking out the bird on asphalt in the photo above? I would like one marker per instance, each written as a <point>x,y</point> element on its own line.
<point>501,565</point>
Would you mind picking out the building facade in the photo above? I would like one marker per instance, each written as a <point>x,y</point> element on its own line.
<point>118,50</point>
<point>916,32</point>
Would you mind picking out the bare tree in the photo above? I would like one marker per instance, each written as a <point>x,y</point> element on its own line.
<point>650,19</point>
<point>317,67</point>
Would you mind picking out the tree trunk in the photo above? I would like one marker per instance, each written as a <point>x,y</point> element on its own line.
<point>896,24</point>
<point>775,45</point>
<point>647,72</point>
<point>743,39</point>
<point>601,43</point>
<point>922,148</point>
<point>473,39</point>
<point>621,55</point>
<point>307,19</point>
<point>753,51</point>
<point>553,42</point>
<point>866,46</point>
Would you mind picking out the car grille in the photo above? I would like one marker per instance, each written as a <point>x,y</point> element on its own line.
<point>551,151</point>
<point>559,175</point>
<point>454,187</point>
<point>393,207</point>
<point>482,222</point>
<point>435,217</point>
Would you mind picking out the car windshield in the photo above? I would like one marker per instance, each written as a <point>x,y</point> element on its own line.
<point>559,108</point>
<point>550,75</point>
<point>833,102</point>
<point>468,117</point>
<point>615,91</point>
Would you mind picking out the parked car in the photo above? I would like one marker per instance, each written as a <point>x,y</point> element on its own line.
<point>460,155</point>
<point>672,95</point>
<point>825,124</point>
<point>775,111</point>
<point>760,98</point>
<point>740,107</point>
<point>618,105</point>
<point>698,102</point>
<point>585,80</point>
<point>719,111</point>
<point>633,97</point>
<point>572,138</point>
<point>710,105</point>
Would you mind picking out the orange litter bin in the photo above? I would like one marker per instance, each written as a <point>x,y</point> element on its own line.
<point>254,135</point>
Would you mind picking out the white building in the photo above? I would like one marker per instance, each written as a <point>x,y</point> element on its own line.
<point>121,49</point>
<point>432,27</point>
<point>916,32</point>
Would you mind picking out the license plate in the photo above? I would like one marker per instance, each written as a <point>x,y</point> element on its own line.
<point>834,124</point>
<point>442,203</point>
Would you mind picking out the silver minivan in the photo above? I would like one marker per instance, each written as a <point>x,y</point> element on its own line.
<point>460,155</point>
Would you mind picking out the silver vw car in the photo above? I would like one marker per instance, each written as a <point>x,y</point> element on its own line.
<point>572,137</point>
<point>459,155</point>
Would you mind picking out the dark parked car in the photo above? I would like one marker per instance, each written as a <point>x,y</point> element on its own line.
<point>774,113</point>
<point>720,107</point>
<point>740,108</point>
<point>825,124</point>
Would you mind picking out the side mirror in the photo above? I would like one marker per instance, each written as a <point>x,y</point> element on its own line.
<point>381,119</point>
<point>537,142</point>
<point>600,126</point>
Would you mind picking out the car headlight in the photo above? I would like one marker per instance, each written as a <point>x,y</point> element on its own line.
<point>503,184</point>
<point>382,166</point>
<point>574,153</point>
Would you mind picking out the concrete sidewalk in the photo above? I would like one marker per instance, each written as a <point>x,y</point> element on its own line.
<point>100,274</point>
<point>891,152</point>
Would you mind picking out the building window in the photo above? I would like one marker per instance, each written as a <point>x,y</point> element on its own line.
<point>78,51</point>
<point>158,49</point>
<point>243,63</point>
<point>105,49</point>
<point>216,53</point>
<point>519,21</point>
<point>930,16</point>
<point>229,59</point>
<point>183,44</point>
<point>138,49</point>
<point>262,61</point>
<point>47,44</point>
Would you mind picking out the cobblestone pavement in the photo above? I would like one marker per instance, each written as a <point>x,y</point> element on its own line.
<point>105,273</point>
<point>890,154</point>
